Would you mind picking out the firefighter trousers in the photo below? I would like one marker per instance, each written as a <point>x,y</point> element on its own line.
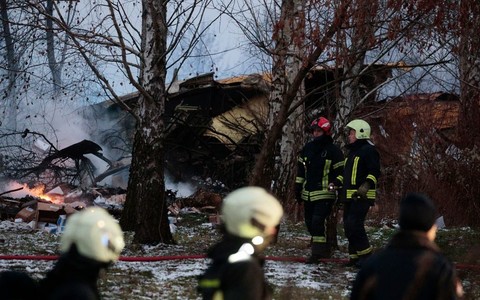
<point>354,214</point>
<point>316,214</point>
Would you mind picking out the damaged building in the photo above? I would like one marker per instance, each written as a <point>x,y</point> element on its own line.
<point>214,127</point>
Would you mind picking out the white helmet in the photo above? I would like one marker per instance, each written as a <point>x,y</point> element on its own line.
<point>95,233</point>
<point>248,204</point>
<point>362,128</point>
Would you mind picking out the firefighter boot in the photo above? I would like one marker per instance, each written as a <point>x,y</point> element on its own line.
<point>319,251</point>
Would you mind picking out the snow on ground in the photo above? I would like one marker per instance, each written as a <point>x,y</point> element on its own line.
<point>177,279</point>
<point>170,279</point>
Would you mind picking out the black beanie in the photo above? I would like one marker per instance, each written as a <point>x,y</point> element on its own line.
<point>417,212</point>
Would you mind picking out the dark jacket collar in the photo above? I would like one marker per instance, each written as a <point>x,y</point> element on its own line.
<point>323,140</point>
<point>413,239</point>
<point>357,144</point>
<point>228,245</point>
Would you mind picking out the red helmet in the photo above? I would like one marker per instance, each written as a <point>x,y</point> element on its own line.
<point>323,124</point>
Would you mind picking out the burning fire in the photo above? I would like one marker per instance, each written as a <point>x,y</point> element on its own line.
<point>38,191</point>
<point>22,190</point>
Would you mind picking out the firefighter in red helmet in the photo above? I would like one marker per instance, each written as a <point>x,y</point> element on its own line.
<point>319,163</point>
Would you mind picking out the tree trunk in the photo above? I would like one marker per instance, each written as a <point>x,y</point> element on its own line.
<point>145,207</point>
<point>363,14</point>
<point>469,120</point>
<point>291,40</point>
<point>278,156</point>
<point>52,62</point>
<point>263,172</point>
<point>362,39</point>
<point>10,97</point>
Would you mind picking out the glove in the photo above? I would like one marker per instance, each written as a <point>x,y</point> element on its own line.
<point>335,185</point>
<point>298,193</point>
<point>361,193</point>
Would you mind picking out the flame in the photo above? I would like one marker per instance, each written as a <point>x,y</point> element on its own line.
<point>37,191</point>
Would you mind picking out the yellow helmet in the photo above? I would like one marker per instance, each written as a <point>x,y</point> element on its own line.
<point>245,204</point>
<point>362,128</point>
<point>95,233</point>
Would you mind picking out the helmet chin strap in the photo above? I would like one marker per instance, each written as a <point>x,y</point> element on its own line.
<point>257,224</point>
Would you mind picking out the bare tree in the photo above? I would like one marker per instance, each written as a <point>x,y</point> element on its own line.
<point>115,39</point>
<point>361,39</point>
<point>288,50</point>
<point>12,68</point>
<point>351,37</point>
<point>289,37</point>
<point>469,57</point>
<point>145,209</point>
<point>55,68</point>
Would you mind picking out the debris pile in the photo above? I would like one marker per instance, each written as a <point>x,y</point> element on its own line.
<point>49,210</point>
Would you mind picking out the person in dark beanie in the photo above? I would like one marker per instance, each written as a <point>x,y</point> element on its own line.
<point>411,266</point>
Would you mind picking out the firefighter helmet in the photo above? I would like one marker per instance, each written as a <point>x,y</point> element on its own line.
<point>251,211</point>
<point>323,124</point>
<point>95,233</point>
<point>362,128</point>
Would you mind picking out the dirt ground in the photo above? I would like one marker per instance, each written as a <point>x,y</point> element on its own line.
<point>176,278</point>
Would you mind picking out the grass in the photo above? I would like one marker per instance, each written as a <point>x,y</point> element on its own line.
<point>177,279</point>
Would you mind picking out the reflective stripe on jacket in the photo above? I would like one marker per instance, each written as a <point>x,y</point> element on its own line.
<point>319,163</point>
<point>361,165</point>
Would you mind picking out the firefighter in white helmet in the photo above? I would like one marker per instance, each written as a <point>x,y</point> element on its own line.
<point>92,240</point>
<point>250,216</point>
<point>359,181</point>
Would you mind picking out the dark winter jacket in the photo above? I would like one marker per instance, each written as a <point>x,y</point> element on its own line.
<point>232,274</point>
<point>73,277</point>
<point>411,267</point>
<point>361,165</point>
<point>319,163</point>
<point>15,285</point>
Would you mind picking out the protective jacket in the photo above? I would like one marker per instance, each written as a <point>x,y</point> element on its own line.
<point>361,165</point>
<point>319,163</point>
<point>411,267</point>
<point>17,285</point>
<point>233,274</point>
<point>73,277</point>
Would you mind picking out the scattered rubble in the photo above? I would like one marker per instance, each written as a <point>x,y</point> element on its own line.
<point>49,210</point>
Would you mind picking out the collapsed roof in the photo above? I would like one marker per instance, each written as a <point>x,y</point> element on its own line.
<point>215,127</point>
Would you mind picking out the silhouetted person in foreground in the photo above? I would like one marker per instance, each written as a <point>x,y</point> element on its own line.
<point>411,266</point>
<point>250,216</point>
<point>15,285</point>
<point>91,242</point>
